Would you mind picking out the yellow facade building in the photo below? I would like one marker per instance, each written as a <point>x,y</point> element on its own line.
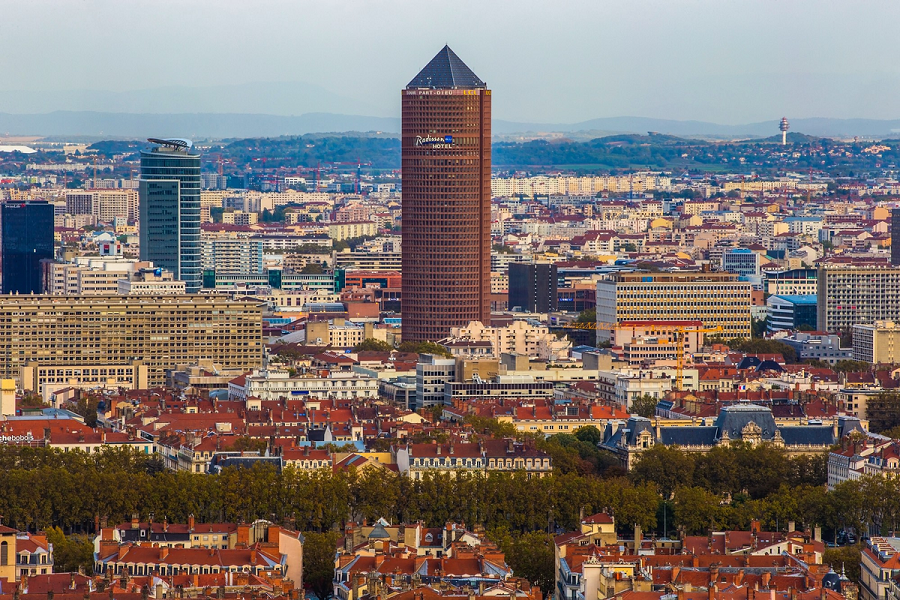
<point>716,299</point>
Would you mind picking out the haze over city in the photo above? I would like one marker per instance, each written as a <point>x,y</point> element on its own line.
<point>550,62</point>
<point>495,300</point>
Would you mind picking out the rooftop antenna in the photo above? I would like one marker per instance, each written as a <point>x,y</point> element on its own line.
<point>784,126</point>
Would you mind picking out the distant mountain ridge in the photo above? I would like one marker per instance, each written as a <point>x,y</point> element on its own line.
<point>195,126</point>
<point>241,125</point>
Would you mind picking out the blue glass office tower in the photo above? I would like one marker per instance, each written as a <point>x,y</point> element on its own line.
<point>27,238</point>
<point>170,209</point>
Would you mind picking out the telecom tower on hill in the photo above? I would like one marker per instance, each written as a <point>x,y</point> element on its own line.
<point>784,126</point>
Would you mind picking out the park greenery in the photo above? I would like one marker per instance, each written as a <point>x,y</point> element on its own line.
<point>425,348</point>
<point>373,345</point>
<point>759,346</point>
<point>668,491</point>
<point>318,561</point>
<point>883,412</point>
<point>644,406</point>
<point>587,316</point>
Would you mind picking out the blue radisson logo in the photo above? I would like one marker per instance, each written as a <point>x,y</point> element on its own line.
<point>435,142</point>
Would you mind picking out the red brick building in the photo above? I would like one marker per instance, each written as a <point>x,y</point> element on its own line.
<point>446,151</point>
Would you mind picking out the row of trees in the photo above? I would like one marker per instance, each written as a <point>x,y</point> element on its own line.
<point>669,490</point>
<point>724,488</point>
<point>43,488</point>
<point>756,471</point>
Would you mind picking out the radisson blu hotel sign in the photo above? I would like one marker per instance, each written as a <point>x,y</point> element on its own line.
<point>435,142</point>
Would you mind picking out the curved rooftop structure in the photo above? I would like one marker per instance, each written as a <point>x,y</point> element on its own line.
<point>176,143</point>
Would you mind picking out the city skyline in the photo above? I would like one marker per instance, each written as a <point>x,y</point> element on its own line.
<point>401,350</point>
<point>698,60</point>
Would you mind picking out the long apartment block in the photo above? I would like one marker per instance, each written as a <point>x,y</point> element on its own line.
<point>160,332</point>
<point>717,299</point>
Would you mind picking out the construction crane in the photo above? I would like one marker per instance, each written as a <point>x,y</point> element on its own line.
<point>314,170</point>
<point>217,157</point>
<point>265,178</point>
<point>358,164</point>
<point>680,332</point>
<point>577,325</point>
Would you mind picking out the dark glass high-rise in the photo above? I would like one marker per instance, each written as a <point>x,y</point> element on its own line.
<point>27,239</point>
<point>533,287</point>
<point>169,192</point>
<point>446,159</point>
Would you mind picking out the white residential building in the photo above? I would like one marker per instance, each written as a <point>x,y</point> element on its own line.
<point>519,337</point>
<point>273,385</point>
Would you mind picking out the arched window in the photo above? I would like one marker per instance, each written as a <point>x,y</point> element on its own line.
<point>4,553</point>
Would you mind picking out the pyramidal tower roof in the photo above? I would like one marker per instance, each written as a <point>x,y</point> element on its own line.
<point>446,71</point>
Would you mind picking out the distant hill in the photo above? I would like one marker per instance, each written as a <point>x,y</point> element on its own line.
<point>658,139</point>
<point>311,150</point>
<point>194,126</point>
<point>820,127</point>
<point>792,138</point>
<point>615,153</point>
<point>222,125</point>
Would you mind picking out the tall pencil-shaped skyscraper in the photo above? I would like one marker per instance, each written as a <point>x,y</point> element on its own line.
<point>169,192</point>
<point>446,216</point>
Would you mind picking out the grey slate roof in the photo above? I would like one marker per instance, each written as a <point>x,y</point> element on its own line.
<point>848,424</point>
<point>611,440</point>
<point>446,71</point>
<point>748,362</point>
<point>379,532</point>
<point>769,365</point>
<point>734,418</point>
<point>688,435</point>
<point>634,426</point>
<point>810,435</point>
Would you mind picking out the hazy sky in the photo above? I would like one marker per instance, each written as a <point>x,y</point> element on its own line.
<point>728,61</point>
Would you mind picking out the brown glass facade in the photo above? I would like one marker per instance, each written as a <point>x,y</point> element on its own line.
<point>446,210</point>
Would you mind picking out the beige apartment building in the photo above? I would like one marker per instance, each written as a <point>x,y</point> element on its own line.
<point>107,276</point>
<point>877,343</point>
<point>239,217</point>
<point>161,332</point>
<point>519,337</point>
<point>103,205</point>
<point>340,333</point>
<point>856,293</point>
<point>349,230</point>
<point>88,276</point>
<point>714,298</point>
<point>47,379</point>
